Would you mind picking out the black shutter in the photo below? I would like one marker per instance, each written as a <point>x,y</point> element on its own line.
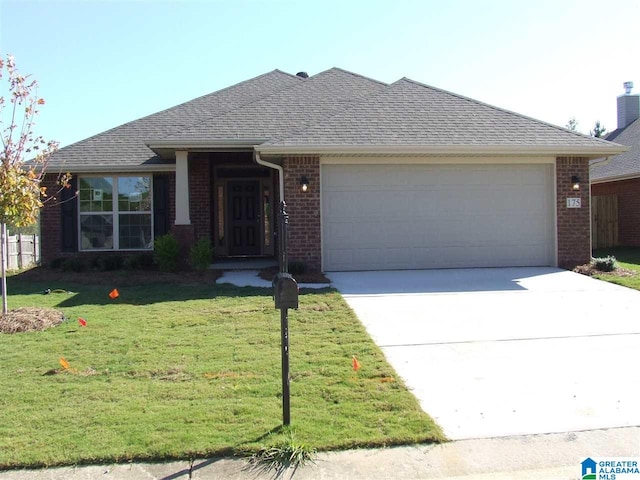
<point>160,205</point>
<point>69,220</point>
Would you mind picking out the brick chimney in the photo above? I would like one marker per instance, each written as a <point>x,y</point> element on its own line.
<point>628,106</point>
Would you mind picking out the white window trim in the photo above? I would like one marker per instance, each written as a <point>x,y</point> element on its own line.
<point>115,213</point>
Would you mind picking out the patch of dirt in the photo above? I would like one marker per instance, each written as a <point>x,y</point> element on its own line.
<point>589,270</point>
<point>307,277</point>
<point>30,319</point>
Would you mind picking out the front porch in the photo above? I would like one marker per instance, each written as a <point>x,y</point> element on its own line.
<point>229,199</point>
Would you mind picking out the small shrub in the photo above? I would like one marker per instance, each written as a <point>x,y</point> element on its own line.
<point>166,253</point>
<point>201,254</point>
<point>297,268</point>
<point>73,265</point>
<point>107,263</point>
<point>604,264</point>
<point>56,263</point>
<point>138,262</point>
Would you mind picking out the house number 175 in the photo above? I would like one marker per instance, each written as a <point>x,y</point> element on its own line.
<point>574,202</point>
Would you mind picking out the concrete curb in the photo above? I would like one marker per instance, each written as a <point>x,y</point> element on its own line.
<point>545,456</point>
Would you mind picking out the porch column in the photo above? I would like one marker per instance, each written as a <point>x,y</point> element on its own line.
<point>182,188</point>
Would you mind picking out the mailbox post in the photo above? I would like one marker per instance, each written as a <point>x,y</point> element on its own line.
<point>285,296</point>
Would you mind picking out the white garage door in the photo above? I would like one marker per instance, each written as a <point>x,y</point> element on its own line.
<point>377,217</point>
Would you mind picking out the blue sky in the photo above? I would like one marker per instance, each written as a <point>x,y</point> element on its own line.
<point>103,63</point>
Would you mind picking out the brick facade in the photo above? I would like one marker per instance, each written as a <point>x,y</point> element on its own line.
<point>628,193</point>
<point>304,244</point>
<point>200,197</point>
<point>304,235</point>
<point>50,224</point>
<point>573,224</point>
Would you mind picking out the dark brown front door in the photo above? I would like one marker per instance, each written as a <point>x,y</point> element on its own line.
<point>244,220</point>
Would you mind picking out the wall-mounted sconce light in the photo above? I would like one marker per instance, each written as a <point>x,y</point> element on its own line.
<point>304,183</point>
<point>575,182</point>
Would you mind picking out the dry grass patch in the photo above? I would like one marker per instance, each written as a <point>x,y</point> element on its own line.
<point>30,319</point>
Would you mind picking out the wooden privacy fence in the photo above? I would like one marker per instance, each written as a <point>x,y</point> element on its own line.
<point>604,221</point>
<point>23,251</point>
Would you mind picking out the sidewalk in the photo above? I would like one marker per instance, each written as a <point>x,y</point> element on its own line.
<point>551,456</point>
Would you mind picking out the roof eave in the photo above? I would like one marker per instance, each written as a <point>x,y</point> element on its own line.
<point>114,169</point>
<point>616,178</point>
<point>167,148</point>
<point>596,151</point>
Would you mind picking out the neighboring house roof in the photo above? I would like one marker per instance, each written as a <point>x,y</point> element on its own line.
<point>336,111</point>
<point>625,165</point>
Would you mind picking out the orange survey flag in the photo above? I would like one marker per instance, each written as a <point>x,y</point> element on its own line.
<point>355,363</point>
<point>114,294</point>
<point>82,322</point>
<point>64,363</point>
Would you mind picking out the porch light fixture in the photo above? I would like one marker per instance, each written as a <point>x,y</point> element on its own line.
<point>575,182</point>
<point>304,183</point>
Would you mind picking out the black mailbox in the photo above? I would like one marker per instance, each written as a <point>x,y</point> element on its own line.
<point>285,291</point>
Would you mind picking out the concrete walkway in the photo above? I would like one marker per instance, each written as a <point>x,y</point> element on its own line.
<point>250,278</point>
<point>555,456</point>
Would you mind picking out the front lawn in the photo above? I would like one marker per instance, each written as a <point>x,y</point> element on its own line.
<point>177,371</point>
<point>629,259</point>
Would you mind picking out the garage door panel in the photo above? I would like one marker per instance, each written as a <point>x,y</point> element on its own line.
<point>436,216</point>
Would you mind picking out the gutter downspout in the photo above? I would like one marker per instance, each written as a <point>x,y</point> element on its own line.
<point>274,166</point>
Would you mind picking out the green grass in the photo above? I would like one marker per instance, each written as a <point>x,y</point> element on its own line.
<point>181,371</point>
<point>629,259</point>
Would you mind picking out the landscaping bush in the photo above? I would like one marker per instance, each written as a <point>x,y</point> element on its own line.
<point>73,265</point>
<point>56,263</point>
<point>107,263</point>
<point>604,264</point>
<point>166,253</point>
<point>201,254</point>
<point>138,262</point>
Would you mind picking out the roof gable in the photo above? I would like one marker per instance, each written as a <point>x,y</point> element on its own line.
<point>286,110</point>
<point>124,145</point>
<point>410,113</point>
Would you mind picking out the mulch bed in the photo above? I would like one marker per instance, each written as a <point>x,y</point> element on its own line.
<point>589,270</point>
<point>307,277</point>
<point>30,319</point>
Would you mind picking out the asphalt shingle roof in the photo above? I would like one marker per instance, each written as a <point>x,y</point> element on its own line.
<point>125,145</point>
<point>625,164</point>
<point>296,107</point>
<point>334,107</point>
<point>410,113</point>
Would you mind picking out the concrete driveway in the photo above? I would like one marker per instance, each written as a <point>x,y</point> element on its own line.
<point>506,351</point>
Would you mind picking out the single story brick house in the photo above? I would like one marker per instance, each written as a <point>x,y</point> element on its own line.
<point>374,175</point>
<point>615,181</point>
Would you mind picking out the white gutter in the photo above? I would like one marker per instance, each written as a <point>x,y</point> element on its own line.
<point>555,150</point>
<point>275,166</point>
